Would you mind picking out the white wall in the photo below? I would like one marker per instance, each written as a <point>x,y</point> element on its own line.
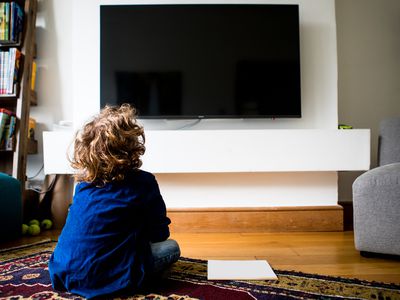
<point>71,64</point>
<point>318,64</point>
<point>55,72</point>
<point>368,33</point>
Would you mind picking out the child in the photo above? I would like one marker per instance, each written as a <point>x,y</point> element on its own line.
<point>116,231</point>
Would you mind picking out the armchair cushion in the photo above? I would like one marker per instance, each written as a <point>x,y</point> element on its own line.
<point>376,200</point>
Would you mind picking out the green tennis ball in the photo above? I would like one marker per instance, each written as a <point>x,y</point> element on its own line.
<point>34,222</point>
<point>46,224</point>
<point>25,229</point>
<point>34,229</point>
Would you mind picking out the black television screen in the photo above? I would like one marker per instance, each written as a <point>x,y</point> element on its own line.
<point>201,60</point>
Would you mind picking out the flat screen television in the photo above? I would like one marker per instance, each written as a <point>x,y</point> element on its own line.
<point>201,60</point>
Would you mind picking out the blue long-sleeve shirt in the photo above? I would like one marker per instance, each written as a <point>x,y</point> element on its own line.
<point>104,245</point>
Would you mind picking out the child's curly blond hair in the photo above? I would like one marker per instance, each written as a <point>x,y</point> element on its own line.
<point>108,146</point>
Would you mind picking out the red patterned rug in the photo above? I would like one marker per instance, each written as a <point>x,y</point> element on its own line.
<point>24,275</point>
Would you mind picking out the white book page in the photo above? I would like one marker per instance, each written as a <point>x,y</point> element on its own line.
<point>240,270</point>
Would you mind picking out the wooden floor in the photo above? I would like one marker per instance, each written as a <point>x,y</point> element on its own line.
<point>326,253</point>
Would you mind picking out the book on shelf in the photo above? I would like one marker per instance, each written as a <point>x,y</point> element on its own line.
<point>33,78</point>
<point>4,72</point>
<point>11,23</point>
<point>16,22</point>
<point>10,64</point>
<point>7,20</point>
<point>9,137</point>
<point>17,64</point>
<point>31,128</point>
<point>2,20</point>
<point>4,117</point>
<point>8,122</point>
<point>12,69</point>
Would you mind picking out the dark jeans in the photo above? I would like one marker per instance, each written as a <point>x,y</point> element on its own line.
<point>164,254</point>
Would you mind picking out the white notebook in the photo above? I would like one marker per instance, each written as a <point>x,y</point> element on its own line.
<point>240,270</point>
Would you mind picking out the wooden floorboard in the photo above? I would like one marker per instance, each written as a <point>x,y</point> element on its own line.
<point>325,253</point>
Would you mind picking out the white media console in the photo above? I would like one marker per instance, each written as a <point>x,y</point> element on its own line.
<point>243,180</point>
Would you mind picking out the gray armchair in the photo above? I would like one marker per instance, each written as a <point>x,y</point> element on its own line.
<point>376,197</point>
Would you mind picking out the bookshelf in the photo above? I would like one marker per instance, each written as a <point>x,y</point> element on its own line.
<point>13,158</point>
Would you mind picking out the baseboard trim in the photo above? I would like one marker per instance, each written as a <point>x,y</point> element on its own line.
<point>257,219</point>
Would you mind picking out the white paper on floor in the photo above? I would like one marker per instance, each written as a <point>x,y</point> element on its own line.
<point>240,270</point>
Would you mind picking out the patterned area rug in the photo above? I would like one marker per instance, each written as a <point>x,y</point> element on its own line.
<point>24,275</point>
